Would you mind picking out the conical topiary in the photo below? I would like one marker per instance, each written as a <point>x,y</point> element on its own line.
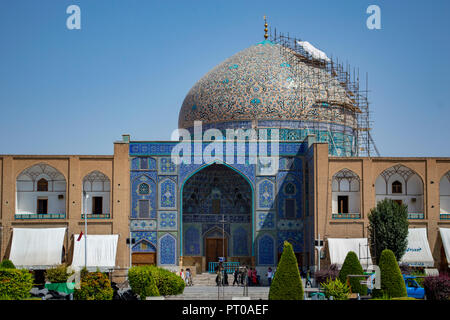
<point>392,282</point>
<point>287,284</point>
<point>352,265</point>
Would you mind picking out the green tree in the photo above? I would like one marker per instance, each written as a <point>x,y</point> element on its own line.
<point>392,282</point>
<point>388,228</point>
<point>287,284</point>
<point>353,266</point>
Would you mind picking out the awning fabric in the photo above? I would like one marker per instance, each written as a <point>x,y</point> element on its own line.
<point>101,252</point>
<point>418,252</point>
<point>445,236</point>
<point>340,247</point>
<point>37,248</point>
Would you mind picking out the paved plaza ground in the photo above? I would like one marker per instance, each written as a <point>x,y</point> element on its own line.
<point>221,293</point>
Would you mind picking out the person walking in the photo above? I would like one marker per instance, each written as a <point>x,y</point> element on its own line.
<point>308,279</point>
<point>249,276</point>
<point>187,277</point>
<point>236,274</point>
<point>254,277</point>
<point>269,276</point>
<point>219,279</point>
<point>182,275</point>
<point>242,275</point>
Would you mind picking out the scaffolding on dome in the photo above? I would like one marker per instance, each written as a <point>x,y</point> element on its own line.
<point>298,53</point>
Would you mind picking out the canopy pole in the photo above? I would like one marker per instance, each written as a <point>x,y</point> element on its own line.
<point>86,196</point>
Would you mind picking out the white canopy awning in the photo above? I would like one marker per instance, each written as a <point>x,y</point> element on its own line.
<point>340,247</point>
<point>101,252</point>
<point>445,236</point>
<point>37,248</point>
<point>418,252</point>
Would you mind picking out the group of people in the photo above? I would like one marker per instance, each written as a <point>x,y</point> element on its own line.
<point>186,276</point>
<point>249,276</point>
<point>243,276</point>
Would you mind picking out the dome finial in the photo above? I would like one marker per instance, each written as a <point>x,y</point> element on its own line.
<point>265,28</point>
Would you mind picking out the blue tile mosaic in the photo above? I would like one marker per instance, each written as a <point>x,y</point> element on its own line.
<point>265,220</point>
<point>142,225</point>
<point>240,242</point>
<point>167,194</point>
<point>148,238</point>
<point>167,220</point>
<point>167,250</point>
<point>266,194</point>
<point>293,237</point>
<point>136,196</point>
<point>266,250</point>
<point>192,241</point>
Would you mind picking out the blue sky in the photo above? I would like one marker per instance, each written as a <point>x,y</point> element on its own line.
<point>130,66</point>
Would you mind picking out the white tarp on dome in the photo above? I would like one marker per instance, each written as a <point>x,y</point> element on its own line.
<point>445,236</point>
<point>37,248</point>
<point>340,247</point>
<point>418,252</point>
<point>313,51</point>
<point>101,252</point>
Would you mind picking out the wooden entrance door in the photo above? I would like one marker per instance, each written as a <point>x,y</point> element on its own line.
<point>143,258</point>
<point>215,248</point>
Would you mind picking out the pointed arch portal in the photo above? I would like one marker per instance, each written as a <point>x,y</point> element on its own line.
<point>214,198</point>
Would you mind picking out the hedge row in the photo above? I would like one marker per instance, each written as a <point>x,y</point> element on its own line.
<point>148,281</point>
<point>94,286</point>
<point>15,284</point>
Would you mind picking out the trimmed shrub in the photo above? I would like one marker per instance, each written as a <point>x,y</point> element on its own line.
<point>7,264</point>
<point>15,284</point>
<point>168,283</point>
<point>57,274</point>
<point>323,275</point>
<point>94,286</point>
<point>437,287</point>
<point>352,265</point>
<point>287,283</point>
<point>392,282</point>
<point>378,294</point>
<point>336,289</point>
<point>142,282</point>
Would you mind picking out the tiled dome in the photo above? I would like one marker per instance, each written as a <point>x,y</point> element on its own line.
<point>259,83</point>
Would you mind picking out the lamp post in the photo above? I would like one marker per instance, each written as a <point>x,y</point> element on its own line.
<point>319,246</point>
<point>223,255</point>
<point>86,196</point>
<point>223,235</point>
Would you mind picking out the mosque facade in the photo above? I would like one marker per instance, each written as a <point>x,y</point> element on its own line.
<point>190,214</point>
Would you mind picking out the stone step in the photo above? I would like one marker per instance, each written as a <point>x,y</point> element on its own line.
<point>222,293</point>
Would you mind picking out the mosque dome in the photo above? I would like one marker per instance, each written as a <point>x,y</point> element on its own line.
<point>267,82</point>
